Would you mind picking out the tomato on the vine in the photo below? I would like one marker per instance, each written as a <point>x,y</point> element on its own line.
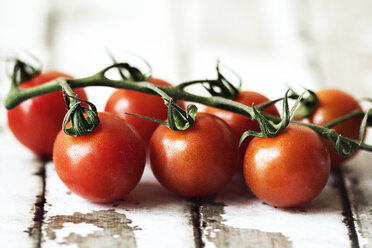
<point>240,123</point>
<point>37,121</point>
<point>104,165</point>
<point>289,169</point>
<point>196,162</point>
<point>122,101</point>
<point>333,104</point>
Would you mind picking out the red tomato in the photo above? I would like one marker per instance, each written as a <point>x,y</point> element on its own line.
<point>333,104</point>
<point>104,165</point>
<point>37,121</point>
<point>196,162</point>
<point>289,169</point>
<point>122,101</point>
<point>240,123</point>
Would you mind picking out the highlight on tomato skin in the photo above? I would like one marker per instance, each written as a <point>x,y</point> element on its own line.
<point>240,123</point>
<point>333,104</point>
<point>288,170</point>
<point>196,162</point>
<point>37,121</point>
<point>104,165</point>
<point>122,101</point>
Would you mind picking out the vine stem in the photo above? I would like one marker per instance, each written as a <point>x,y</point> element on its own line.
<point>16,96</point>
<point>65,86</point>
<point>353,114</point>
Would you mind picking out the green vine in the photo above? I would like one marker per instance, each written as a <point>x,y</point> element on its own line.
<point>222,92</point>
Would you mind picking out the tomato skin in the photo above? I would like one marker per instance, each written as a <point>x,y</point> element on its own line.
<point>122,101</point>
<point>104,165</point>
<point>333,104</point>
<point>196,162</point>
<point>289,169</point>
<point>37,121</point>
<point>240,123</point>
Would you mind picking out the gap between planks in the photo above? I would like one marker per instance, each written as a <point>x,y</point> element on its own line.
<point>195,210</point>
<point>349,220</point>
<point>35,231</point>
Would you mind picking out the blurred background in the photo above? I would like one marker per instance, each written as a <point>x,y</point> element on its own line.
<point>271,44</point>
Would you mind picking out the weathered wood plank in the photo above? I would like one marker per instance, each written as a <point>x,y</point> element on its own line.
<point>358,174</point>
<point>236,218</point>
<point>21,190</point>
<point>149,216</point>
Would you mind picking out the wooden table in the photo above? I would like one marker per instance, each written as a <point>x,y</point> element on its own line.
<point>37,210</point>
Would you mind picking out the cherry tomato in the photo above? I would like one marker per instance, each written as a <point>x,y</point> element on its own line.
<point>37,121</point>
<point>240,123</point>
<point>196,162</point>
<point>289,169</point>
<point>104,165</point>
<point>122,101</point>
<point>333,104</point>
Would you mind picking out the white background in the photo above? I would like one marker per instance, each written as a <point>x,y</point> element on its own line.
<point>271,44</point>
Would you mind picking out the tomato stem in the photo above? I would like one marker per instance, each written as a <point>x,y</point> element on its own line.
<point>354,114</point>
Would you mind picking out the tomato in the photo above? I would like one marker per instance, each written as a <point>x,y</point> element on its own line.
<point>104,165</point>
<point>196,162</point>
<point>122,101</point>
<point>240,123</point>
<point>333,104</point>
<point>37,121</point>
<point>289,169</point>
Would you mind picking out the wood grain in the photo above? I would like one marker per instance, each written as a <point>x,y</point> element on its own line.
<point>358,174</point>
<point>150,216</point>
<point>236,218</point>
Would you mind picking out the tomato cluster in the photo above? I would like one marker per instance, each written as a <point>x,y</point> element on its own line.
<point>105,165</point>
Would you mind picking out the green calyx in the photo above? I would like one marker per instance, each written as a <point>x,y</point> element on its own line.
<point>178,119</point>
<point>128,72</point>
<point>219,87</point>
<point>307,106</point>
<point>345,146</point>
<point>23,72</point>
<point>269,128</point>
<point>83,120</point>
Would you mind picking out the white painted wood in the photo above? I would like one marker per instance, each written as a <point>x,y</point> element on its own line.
<point>19,188</point>
<point>153,217</point>
<point>358,174</point>
<point>241,220</point>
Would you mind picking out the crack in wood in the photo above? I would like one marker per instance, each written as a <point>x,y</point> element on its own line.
<point>222,235</point>
<point>360,205</point>
<point>195,221</point>
<point>35,230</point>
<point>347,212</point>
<point>207,220</point>
<point>114,229</point>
